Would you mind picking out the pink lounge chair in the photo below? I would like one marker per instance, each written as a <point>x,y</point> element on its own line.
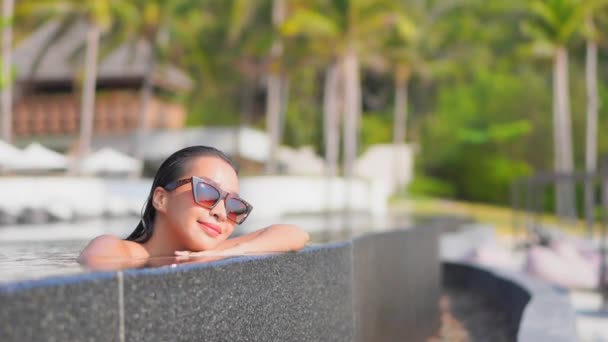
<point>492,254</point>
<point>562,264</point>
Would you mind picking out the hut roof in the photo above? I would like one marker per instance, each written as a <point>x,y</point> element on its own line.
<point>58,64</point>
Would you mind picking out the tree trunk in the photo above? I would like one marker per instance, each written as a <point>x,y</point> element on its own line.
<point>402,76</point>
<point>401,102</point>
<point>273,109</point>
<point>7,95</point>
<point>331,118</point>
<point>352,109</point>
<point>146,93</point>
<point>284,104</point>
<point>592,107</point>
<point>247,97</point>
<point>87,105</point>
<point>273,90</point>
<point>591,136</point>
<point>563,135</point>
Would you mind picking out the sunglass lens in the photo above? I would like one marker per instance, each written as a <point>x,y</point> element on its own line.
<point>237,209</point>
<point>206,195</point>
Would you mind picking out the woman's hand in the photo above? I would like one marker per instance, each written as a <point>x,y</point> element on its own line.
<point>203,256</point>
<point>188,254</point>
<point>236,251</point>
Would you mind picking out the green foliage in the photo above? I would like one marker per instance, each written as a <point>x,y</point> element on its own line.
<point>603,123</point>
<point>212,112</point>
<point>480,102</point>
<point>376,128</point>
<point>311,23</point>
<point>488,178</point>
<point>303,118</point>
<point>433,187</point>
<point>495,132</point>
<point>479,138</point>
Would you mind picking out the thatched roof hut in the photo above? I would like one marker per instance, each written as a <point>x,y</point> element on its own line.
<point>38,62</point>
<point>49,66</point>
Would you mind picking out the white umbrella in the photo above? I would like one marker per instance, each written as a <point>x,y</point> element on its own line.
<point>108,160</point>
<point>38,157</point>
<point>9,154</point>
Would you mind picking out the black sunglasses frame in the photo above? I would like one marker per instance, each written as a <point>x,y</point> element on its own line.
<point>223,195</point>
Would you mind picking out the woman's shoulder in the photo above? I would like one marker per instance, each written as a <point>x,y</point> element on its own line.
<point>110,246</point>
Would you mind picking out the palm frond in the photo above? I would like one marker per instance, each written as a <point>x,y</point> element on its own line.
<point>309,23</point>
<point>241,13</point>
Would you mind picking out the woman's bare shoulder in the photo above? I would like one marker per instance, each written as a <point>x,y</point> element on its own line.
<point>109,246</point>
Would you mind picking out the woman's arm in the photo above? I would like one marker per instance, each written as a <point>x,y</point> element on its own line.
<point>274,238</point>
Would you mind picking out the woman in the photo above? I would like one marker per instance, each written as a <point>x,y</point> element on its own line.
<point>192,209</point>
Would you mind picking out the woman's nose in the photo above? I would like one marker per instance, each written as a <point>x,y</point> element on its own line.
<point>219,211</point>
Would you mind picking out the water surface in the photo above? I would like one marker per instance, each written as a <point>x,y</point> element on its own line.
<point>36,251</point>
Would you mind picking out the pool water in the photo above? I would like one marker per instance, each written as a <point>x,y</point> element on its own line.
<point>36,259</point>
<point>36,251</point>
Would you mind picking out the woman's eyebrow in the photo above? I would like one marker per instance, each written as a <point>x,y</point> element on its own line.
<point>219,185</point>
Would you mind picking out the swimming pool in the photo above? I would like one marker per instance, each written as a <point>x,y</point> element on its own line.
<point>37,251</point>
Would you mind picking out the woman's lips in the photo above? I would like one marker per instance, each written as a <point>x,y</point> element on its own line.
<point>210,228</point>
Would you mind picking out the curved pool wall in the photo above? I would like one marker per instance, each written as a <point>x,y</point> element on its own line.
<point>377,287</point>
<point>536,310</point>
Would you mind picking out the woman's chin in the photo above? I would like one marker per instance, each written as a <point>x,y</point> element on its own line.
<point>205,243</point>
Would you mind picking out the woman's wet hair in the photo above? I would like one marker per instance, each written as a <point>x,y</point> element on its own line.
<point>172,169</point>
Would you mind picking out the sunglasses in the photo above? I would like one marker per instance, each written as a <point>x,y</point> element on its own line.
<point>208,195</point>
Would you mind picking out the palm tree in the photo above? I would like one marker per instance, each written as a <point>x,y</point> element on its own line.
<point>553,26</point>
<point>242,12</point>
<point>323,33</point>
<point>593,35</point>
<point>153,18</point>
<point>275,86</point>
<point>7,39</point>
<point>592,96</point>
<point>411,48</point>
<point>97,16</point>
<point>347,29</point>
<point>331,117</point>
<point>155,24</point>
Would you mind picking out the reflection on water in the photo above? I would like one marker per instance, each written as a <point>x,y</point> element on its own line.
<point>35,259</point>
<point>35,251</point>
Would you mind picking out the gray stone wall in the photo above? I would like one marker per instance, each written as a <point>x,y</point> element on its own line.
<point>377,287</point>
<point>396,285</point>
<point>81,308</point>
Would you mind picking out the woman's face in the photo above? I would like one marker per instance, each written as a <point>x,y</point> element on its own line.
<point>193,226</point>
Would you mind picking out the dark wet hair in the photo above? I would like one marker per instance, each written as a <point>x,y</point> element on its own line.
<point>172,169</point>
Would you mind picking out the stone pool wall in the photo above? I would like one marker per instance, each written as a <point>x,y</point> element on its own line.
<point>536,311</point>
<point>377,287</point>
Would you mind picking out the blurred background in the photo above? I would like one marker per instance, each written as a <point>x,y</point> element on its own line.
<point>383,109</point>
<point>343,115</point>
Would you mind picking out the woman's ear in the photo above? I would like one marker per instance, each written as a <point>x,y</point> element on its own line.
<point>159,199</point>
